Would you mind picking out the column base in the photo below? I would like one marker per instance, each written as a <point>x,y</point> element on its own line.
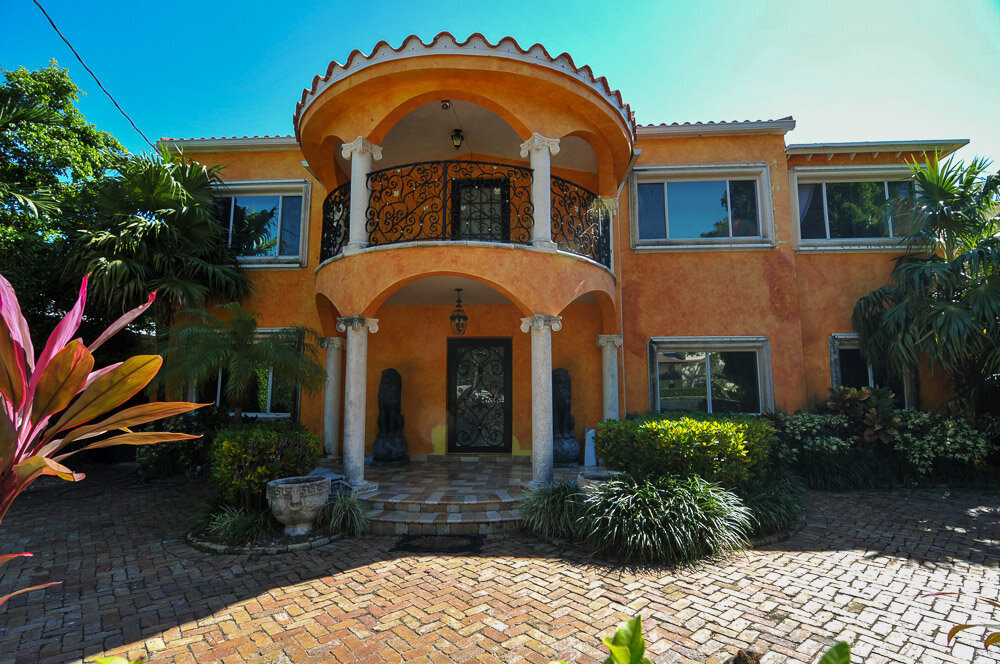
<point>545,245</point>
<point>363,488</point>
<point>352,249</point>
<point>532,485</point>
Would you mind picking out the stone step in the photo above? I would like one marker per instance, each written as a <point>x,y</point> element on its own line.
<point>399,522</point>
<point>447,503</point>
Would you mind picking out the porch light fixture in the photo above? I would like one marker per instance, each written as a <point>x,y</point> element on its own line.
<point>457,138</point>
<point>458,318</point>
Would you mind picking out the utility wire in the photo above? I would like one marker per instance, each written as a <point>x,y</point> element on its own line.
<point>61,36</point>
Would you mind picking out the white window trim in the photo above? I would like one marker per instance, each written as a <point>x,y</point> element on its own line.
<point>756,171</point>
<point>848,341</point>
<point>263,332</point>
<point>275,188</point>
<point>821,174</point>
<point>760,345</point>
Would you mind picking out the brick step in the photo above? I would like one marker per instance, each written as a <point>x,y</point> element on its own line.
<point>450,504</point>
<point>399,522</point>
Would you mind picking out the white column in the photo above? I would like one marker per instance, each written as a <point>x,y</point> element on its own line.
<point>331,396</point>
<point>355,386</point>
<point>361,153</point>
<point>541,328</point>
<point>609,345</point>
<point>540,150</point>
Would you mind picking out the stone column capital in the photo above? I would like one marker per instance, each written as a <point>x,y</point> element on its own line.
<point>360,146</point>
<point>356,323</point>
<point>541,322</point>
<point>610,203</point>
<point>335,343</point>
<point>539,143</point>
<point>614,340</point>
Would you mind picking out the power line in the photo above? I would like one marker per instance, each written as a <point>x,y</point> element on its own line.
<point>100,85</point>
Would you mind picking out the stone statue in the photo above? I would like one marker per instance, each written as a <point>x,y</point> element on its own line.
<point>565,448</point>
<point>390,447</point>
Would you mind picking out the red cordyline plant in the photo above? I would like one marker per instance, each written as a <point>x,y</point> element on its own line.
<point>52,401</point>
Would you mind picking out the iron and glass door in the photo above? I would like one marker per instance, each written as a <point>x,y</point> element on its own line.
<point>479,404</point>
<point>480,209</point>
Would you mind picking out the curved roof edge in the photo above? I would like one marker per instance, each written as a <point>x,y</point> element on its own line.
<point>476,44</point>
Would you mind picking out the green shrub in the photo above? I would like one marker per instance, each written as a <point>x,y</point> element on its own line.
<point>668,521</point>
<point>723,449</point>
<point>245,459</point>
<point>776,499</point>
<point>187,457</point>
<point>235,525</point>
<point>930,442</point>
<point>342,515</point>
<point>554,512</point>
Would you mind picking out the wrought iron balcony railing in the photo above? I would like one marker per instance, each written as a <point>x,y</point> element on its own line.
<point>466,200</point>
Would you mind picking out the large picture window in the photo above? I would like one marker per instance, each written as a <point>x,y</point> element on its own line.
<point>701,206</point>
<point>710,374</point>
<point>265,221</point>
<point>848,210</point>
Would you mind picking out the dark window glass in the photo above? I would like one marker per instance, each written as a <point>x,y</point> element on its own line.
<point>255,225</point>
<point>812,224</point>
<point>697,210</point>
<point>856,209</point>
<point>901,207</point>
<point>291,220</point>
<point>735,385</point>
<point>744,204</point>
<point>652,225</point>
<point>853,368</point>
<point>682,381</point>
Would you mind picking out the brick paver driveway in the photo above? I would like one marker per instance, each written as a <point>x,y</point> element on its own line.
<point>132,585</point>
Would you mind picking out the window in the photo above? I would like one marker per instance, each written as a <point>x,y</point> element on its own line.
<point>265,221</point>
<point>710,374</point>
<point>849,367</point>
<point>839,208</point>
<point>266,396</point>
<point>701,206</point>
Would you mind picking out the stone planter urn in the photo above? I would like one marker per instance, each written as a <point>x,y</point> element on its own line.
<point>295,501</point>
<point>588,480</point>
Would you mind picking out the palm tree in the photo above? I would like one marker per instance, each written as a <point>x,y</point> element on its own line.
<point>203,344</point>
<point>163,234</point>
<point>942,301</point>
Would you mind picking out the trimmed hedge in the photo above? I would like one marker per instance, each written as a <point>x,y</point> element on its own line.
<point>724,449</point>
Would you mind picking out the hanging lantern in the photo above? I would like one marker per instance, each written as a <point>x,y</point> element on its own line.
<point>458,318</point>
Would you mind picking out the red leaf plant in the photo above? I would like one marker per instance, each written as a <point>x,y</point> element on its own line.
<point>52,401</point>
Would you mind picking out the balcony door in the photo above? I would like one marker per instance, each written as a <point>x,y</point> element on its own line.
<point>479,404</point>
<point>480,209</point>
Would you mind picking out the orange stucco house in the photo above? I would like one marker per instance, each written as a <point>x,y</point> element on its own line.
<point>685,266</point>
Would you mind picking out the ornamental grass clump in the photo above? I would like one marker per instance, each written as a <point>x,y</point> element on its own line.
<point>670,521</point>
<point>343,515</point>
<point>554,512</point>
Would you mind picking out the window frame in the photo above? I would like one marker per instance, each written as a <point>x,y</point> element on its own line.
<point>303,188</point>
<point>841,174</point>
<point>758,172</point>
<point>757,344</point>
<point>850,341</point>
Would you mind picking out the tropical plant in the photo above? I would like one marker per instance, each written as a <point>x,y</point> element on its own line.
<point>343,515</point>
<point>162,233</point>
<point>554,512</point>
<point>62,379</point>
<point>204,344</point>
<point>942,301</point>
<point>989,638</point>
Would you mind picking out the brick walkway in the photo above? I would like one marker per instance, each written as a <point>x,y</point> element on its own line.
<point>131,585</point>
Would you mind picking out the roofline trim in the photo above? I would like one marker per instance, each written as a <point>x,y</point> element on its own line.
<point>476,45</point>
<point>944,146</point>
<point>779,127</point>
<point>243,144</point>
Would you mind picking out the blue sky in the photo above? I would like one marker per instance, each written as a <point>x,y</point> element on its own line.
<point>845,70</point>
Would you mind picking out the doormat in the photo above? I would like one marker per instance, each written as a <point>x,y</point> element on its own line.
<point>440,543</point>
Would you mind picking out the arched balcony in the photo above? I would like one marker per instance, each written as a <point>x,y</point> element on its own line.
<point>467,201</point>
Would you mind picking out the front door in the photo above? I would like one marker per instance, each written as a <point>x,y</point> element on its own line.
<point>479,381</point>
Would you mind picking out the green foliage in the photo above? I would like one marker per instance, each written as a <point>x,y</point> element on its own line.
<point>670,521</point>
<point>206,343</point>
<point>627,646</point>
<point>188,458</point>
<point>929,441</point>
<point>343,515</point>
<point>237,525</point>
<point>160,231</point>
<point>776,499</point>
<point>717,448</point>
<point>246,458</point>
<point>870,412</point>
<point>942,301</point>
<point>554,512</point>
<point>837,654</point>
